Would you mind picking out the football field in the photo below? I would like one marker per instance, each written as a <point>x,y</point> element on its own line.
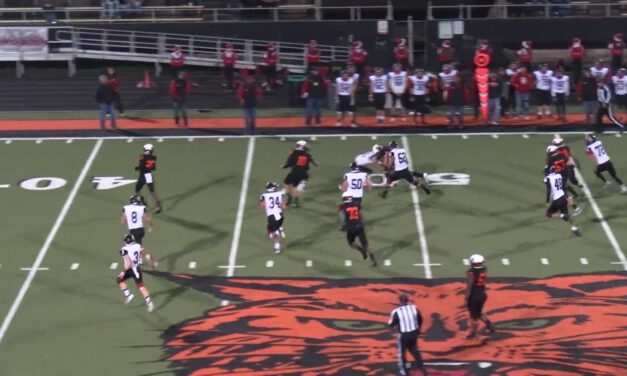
<point>226,304</point>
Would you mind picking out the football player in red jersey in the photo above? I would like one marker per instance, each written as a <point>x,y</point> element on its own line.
<point>476,295</point>
<point>358,57</point>
<point>313,54</point>
<point>445,53</point>
<point>298,162</point>
<point>355,228</point>
<point>401,53</point>
<point>616,47</point>
<point>525,54</point>
<point>577,53</point>
<point>147,164</point>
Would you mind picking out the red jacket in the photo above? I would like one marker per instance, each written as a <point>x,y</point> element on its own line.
<point>401,53</point>
<point>173,86</point>
<point>272,57</point>
<point>577,53</point>
<point>229,58</point>
<point>114,82</point>
<point>177,59</point>
<point>313,55</point>
<point>523,83</point>
<point>616,48</point>
<point>241,93</point>
<point>358,56</point>
<point>445,55</point>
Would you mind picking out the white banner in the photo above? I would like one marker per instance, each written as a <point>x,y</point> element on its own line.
<point>24,39</point>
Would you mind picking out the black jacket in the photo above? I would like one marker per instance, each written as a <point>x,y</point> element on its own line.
<point>105,94</point>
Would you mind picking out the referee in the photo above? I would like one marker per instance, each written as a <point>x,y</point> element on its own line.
<point>409,320</point>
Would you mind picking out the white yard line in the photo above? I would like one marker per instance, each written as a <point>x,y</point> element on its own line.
<point>418,214</point>
<point>237,230</point>
<point>606,227</point>
<point>51,235</point>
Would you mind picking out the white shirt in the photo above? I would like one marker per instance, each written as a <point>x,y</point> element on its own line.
<point>419,85</point>
<point>398,82</point>
<point>355,77</point>
<point>379,84</point>
<point>134,215</point>
<point>355,183</point>
<point>273,202</point>
<point>447,78</point>
<point>620,85</point>
<point>400,159</point>
<point>598,151</point>
<point>366,158</point>
<point>344,87</point>
<point>560,85</point>
<point>133,251</point>
<point>557,185</point>
<point>599,73</point>
<point>543,80</point>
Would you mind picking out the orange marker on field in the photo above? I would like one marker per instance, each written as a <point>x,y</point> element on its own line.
<point>481,76</point>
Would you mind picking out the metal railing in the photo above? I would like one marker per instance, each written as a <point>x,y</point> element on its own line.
<point>199,50</point>
<point>196,13</point>
<point>530,10</point>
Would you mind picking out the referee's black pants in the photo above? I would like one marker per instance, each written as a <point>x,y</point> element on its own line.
<point>409,342</point>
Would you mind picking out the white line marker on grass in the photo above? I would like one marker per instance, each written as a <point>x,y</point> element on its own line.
<point>69,140</point>
<point>418,214</point>
<point>237,230</point>
<point>618,135</point>
<point>505,261</point>
<point>191,139</point>
<point>74,266</point>
<point>602,221</point>
<point>160,140</point>
<point>584,261</point>
<point>434,137</point>
<point>348,263</point>
<point>525,136</point>
<point>8,141</point>
<point>221,139</point>
<point>313,138</point>
<point>343,138</point>
<point>269,264</point>
<point>495,136</point>
<point>129,140</point>
<point>224,303</point>
<point>282,139</point>
<point>39,141</point>
<point>544,261</point>
<point>309,263</point>
<point>231,266</point>
<point>466,262</point>
<point>387,262</point>
<point>465,136</point>
<point>36,269</point>
<point>114,265</point>
<point>49,239</point>
<point>192,265</point>
<point>5,185</point>
<point>373,137</point>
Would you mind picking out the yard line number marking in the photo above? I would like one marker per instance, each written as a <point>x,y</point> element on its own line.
<point>418,214</point>
<point>237,230</point>
<point>51,235</point>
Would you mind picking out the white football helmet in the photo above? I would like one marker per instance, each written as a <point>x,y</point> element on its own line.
<point>301,144</point>
<point>476,261</point>
<point>148,147</point>
<point>551,149</point>
<point>558,141</point>
<point>376,148</point>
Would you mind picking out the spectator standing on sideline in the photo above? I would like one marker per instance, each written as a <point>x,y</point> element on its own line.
<point>599,70</point>
<point>48,12</point>
<point>408,319</point>
<point>401,53</point>
<point>455,96</point>
<point>229,58</point>
<point>272,60</point>
<point>587,93</point>
<point>616,47</point>
<point>249,93</point>
<point>560,88</point>
<point>495,90</point>
<point>577,53</point>
<point>315,91</point>
<point>114,81</point>
<point>525,54</point>
<point>313,55</point>
<point>510,107</point>
<point>543,90</point>
<point>619,84</point>
<point>177,60</point>
<point>446,53</point>
<point>110,8</point>
<point>522,83</point>
<point>179,89</point>
<point>358,58</point>
<point>105,97</point>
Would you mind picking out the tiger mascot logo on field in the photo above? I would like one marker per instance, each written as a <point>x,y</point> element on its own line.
<point>563,326</point>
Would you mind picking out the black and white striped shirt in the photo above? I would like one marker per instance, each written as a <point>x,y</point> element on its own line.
<point>407,317</point>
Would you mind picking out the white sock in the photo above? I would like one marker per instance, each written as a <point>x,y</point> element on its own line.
<point>277,246</point>
<point>126,292</point>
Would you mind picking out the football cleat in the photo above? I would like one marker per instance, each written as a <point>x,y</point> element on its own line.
<point>623,189</point>
<point>575,230</point>
<point>128,299</point>
<point>129,238</point>
<point>150,306</point>
<point>476,261</point>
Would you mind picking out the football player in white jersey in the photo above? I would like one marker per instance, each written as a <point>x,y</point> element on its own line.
<point>557,199</point>
<point>374,156</point>
<point>619,83</point>
<point>419,90</point>
<point>397,80</point>
<point>354,182</point>
<point>133,215</point>
<point>543,90</point>
<point>599,71</point>
<point>560,88</point>
<point>397,166</point>
<point>132,253</point>
<point>378,91</point>
<point>272,203</point>
<point>596,151</point>
<point>345,98</point>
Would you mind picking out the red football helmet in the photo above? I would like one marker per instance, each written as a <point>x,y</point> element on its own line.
<point>357,44</point>
<point>527,44</point>
<point>401,42</point>
<point>576,40</point>
<point>618,37</point>
<point>228,46</point>
<point>271,46</point>
<point>313,43</point>
<point>483,43</point>
<point>446,43</point>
